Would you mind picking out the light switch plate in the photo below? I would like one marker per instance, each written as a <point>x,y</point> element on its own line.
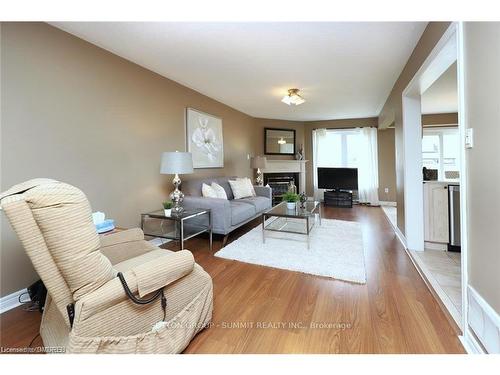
<point>469,138</point>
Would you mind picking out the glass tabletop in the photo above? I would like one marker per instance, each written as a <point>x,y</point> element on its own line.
<point>187,213</point>
<point>311,208</point>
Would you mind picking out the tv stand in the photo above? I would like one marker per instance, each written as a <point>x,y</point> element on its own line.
<point>338,198</point>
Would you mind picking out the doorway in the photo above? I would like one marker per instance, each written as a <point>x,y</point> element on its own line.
<point>429,200</point>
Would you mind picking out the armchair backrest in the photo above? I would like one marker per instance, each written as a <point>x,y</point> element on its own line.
<point>53,220</point>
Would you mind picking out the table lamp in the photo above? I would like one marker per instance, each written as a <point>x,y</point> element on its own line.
<point>259,162</point>
<point>176,163</point>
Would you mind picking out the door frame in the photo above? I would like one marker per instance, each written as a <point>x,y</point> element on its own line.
<point>448,50</point>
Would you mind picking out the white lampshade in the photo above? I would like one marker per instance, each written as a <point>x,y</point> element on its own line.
<point>176,162</point>
<point>259,162</point>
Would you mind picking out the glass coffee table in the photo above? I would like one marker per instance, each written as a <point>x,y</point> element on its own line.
<point>180,227</point>
<point>296,221</point>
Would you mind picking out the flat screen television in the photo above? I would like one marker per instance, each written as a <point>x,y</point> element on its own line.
<point>338,178</point>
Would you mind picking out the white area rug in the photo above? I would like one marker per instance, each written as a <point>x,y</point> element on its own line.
<point>336,250</point>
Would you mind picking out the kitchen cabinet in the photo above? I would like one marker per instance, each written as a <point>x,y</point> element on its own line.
<point>436,212</point>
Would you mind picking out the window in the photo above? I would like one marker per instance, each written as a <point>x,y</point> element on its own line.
<point>348,148</point>
<point>339,148</point>
<point>441,151</point>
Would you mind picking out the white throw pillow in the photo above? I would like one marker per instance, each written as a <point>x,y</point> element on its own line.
<point>250,185</point>
<point>207,191</point>
<point>219,190</point>
<point>241,188</point>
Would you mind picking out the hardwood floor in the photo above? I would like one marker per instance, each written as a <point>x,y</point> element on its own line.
<point>265,310</point>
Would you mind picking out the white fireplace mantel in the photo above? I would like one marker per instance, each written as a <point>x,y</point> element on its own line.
<point>290,166</point>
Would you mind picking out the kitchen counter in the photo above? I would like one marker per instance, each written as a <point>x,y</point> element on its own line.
<point>448,182</point>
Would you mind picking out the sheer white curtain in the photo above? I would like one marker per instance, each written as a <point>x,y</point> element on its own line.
<point>368,166</point>
<point>319,136</point>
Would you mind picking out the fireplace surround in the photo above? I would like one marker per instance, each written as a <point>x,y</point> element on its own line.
<point>284,171</point>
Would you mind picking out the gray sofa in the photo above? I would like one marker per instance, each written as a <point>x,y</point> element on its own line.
<point>227,214</point>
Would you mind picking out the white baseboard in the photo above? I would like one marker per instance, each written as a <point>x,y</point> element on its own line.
<point>388,203</point>
<point>470,344</point>
<point>484,321</point>
<point>11,301</point>
<point>401,237</point>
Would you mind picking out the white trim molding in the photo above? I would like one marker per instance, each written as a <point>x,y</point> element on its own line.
<point>470,343</point>
<point>401,237</point>
<point>484,321</point>
<point>11,301</point>
<point>291,166</point>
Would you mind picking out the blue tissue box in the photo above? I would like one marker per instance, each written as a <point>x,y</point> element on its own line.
<point>105,226</point>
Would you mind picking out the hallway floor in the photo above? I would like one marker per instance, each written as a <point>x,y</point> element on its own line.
<point>442,269</point>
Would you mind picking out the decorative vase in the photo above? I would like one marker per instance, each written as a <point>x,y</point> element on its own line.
<point>168,212</point>
<point>291,205</point>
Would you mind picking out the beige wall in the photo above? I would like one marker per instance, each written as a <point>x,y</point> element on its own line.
<point>386,165</point>
<point>76,113</point>
<point>328,124</point>
<point>261,123</point>
<point>392,110</point>
<point>482,93</point>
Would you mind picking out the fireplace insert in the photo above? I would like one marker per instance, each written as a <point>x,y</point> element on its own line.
<point>279,183</point>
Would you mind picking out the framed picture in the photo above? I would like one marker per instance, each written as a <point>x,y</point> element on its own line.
<point>204,139</point>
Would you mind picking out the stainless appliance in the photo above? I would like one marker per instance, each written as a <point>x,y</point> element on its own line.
<point>454,217</point>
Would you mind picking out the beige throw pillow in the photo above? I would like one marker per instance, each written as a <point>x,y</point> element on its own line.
<point>219,191</point>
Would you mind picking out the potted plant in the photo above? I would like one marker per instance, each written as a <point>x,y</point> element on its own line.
<point>167,206</point>
<point>291,200</point>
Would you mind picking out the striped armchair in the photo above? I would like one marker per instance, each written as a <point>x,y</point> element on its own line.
<point>115,294</point>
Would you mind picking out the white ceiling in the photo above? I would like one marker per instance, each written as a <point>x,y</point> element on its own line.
<point>343,69</point>
<point>442,95</point>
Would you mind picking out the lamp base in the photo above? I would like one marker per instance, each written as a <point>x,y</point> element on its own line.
<point>259,181</point>
<point>177,196</point>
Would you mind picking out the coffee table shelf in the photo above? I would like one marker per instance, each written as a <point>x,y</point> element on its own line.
<point>281,219</point>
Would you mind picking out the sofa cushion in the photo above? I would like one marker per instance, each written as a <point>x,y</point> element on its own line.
<point>241,211</point>
<point>193,187</point>
<point>260,203</point>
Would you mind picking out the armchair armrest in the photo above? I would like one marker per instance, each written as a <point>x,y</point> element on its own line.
<point>124,245</point>
<point>160,272</point>
<point>221,210</point>
<point>263,191</point>
<point>123,236</point>
<point>142,279</point>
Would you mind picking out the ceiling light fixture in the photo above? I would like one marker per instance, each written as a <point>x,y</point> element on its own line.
<point>281,141</point>
<point>293,97</point>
